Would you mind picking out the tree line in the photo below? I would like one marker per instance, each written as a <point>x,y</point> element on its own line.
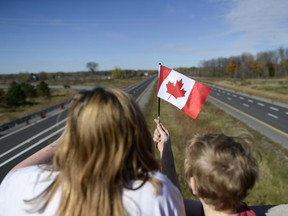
<point>269,64</point>
<point>18,93</point>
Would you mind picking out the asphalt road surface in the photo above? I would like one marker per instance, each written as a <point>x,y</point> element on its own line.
<point>268,117</point>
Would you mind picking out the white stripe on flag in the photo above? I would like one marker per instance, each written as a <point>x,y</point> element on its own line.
<point>187,86</point>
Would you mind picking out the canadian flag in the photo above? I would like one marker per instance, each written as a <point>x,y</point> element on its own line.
<point>181,91</point>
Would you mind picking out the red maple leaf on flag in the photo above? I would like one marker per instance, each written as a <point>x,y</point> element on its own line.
<point>175,90</point>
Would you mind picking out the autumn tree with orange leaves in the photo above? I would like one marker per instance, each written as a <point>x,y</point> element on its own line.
<point>231,67</point>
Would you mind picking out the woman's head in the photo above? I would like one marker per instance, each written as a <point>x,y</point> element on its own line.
<point>107,133</point>
<point>106,144</point>
<point>221,168</point>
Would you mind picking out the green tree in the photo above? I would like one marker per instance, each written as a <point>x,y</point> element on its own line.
<point>15,95</point>
<point>2,95</point>
<point>29,90</point>
<point>43,89</point>
<point>92,66</point>
<point>23,77</point>
<point>117,73</point>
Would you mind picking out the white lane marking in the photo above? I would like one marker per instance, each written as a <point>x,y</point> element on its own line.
<point>30,147</point>
<point>246,105</point>
<point>31,138</point>
<point>242,98</point>
<point>274,116</point>
<point>261,104</point>
<point>251,101</point>
<point>29,125</point>
<point>274,108</point>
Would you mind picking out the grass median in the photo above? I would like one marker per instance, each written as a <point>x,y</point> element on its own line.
<point>273,158</point>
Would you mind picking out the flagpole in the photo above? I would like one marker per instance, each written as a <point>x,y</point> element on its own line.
<point>159,97</point>
<point>158,108</point>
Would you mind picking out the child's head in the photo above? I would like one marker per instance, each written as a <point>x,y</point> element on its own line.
<point>221,169</point>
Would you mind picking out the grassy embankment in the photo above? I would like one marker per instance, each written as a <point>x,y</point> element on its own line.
<point>57,96</point>
<point>272,185</point>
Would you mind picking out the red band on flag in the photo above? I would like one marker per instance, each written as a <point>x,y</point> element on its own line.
<point>162,75</point>
<point>196,100</point>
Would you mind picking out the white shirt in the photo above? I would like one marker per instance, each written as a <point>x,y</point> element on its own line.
<point>26,183</point>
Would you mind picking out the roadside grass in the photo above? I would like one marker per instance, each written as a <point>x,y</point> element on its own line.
<point>273,158</point>
<point>274,89</point>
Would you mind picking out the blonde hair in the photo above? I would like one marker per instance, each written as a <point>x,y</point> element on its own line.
<point>106,144</point>
<point>223,168</point>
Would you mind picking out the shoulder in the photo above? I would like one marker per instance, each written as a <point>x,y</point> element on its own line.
<point>169,192</point>
<point>24,177</point>
<point>23,184</point>
<point>26,174</point>
<point>168,201</point>
<point>167,185</point>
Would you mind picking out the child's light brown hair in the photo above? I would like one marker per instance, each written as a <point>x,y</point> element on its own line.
<point>223,168</point>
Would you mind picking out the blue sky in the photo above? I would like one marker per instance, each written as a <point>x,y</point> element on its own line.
<point>57,35</point>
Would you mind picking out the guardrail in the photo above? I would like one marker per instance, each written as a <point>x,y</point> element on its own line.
<point>27,118</point>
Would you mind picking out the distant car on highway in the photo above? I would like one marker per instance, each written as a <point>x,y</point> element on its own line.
<point>66,86</point>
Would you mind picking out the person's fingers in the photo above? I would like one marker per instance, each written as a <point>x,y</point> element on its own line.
<point>156,132</point>
<point>164,129</point>
<point>160,126</point>
<point>156,136</point>
<point>157,121</point>
<point>160,135</point>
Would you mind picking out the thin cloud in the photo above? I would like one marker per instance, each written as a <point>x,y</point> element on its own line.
<point>251,26</point>
<point>264,20</point>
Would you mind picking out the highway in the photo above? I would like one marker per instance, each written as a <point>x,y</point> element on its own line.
<point>269,118</point>
<point>25,140</point>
